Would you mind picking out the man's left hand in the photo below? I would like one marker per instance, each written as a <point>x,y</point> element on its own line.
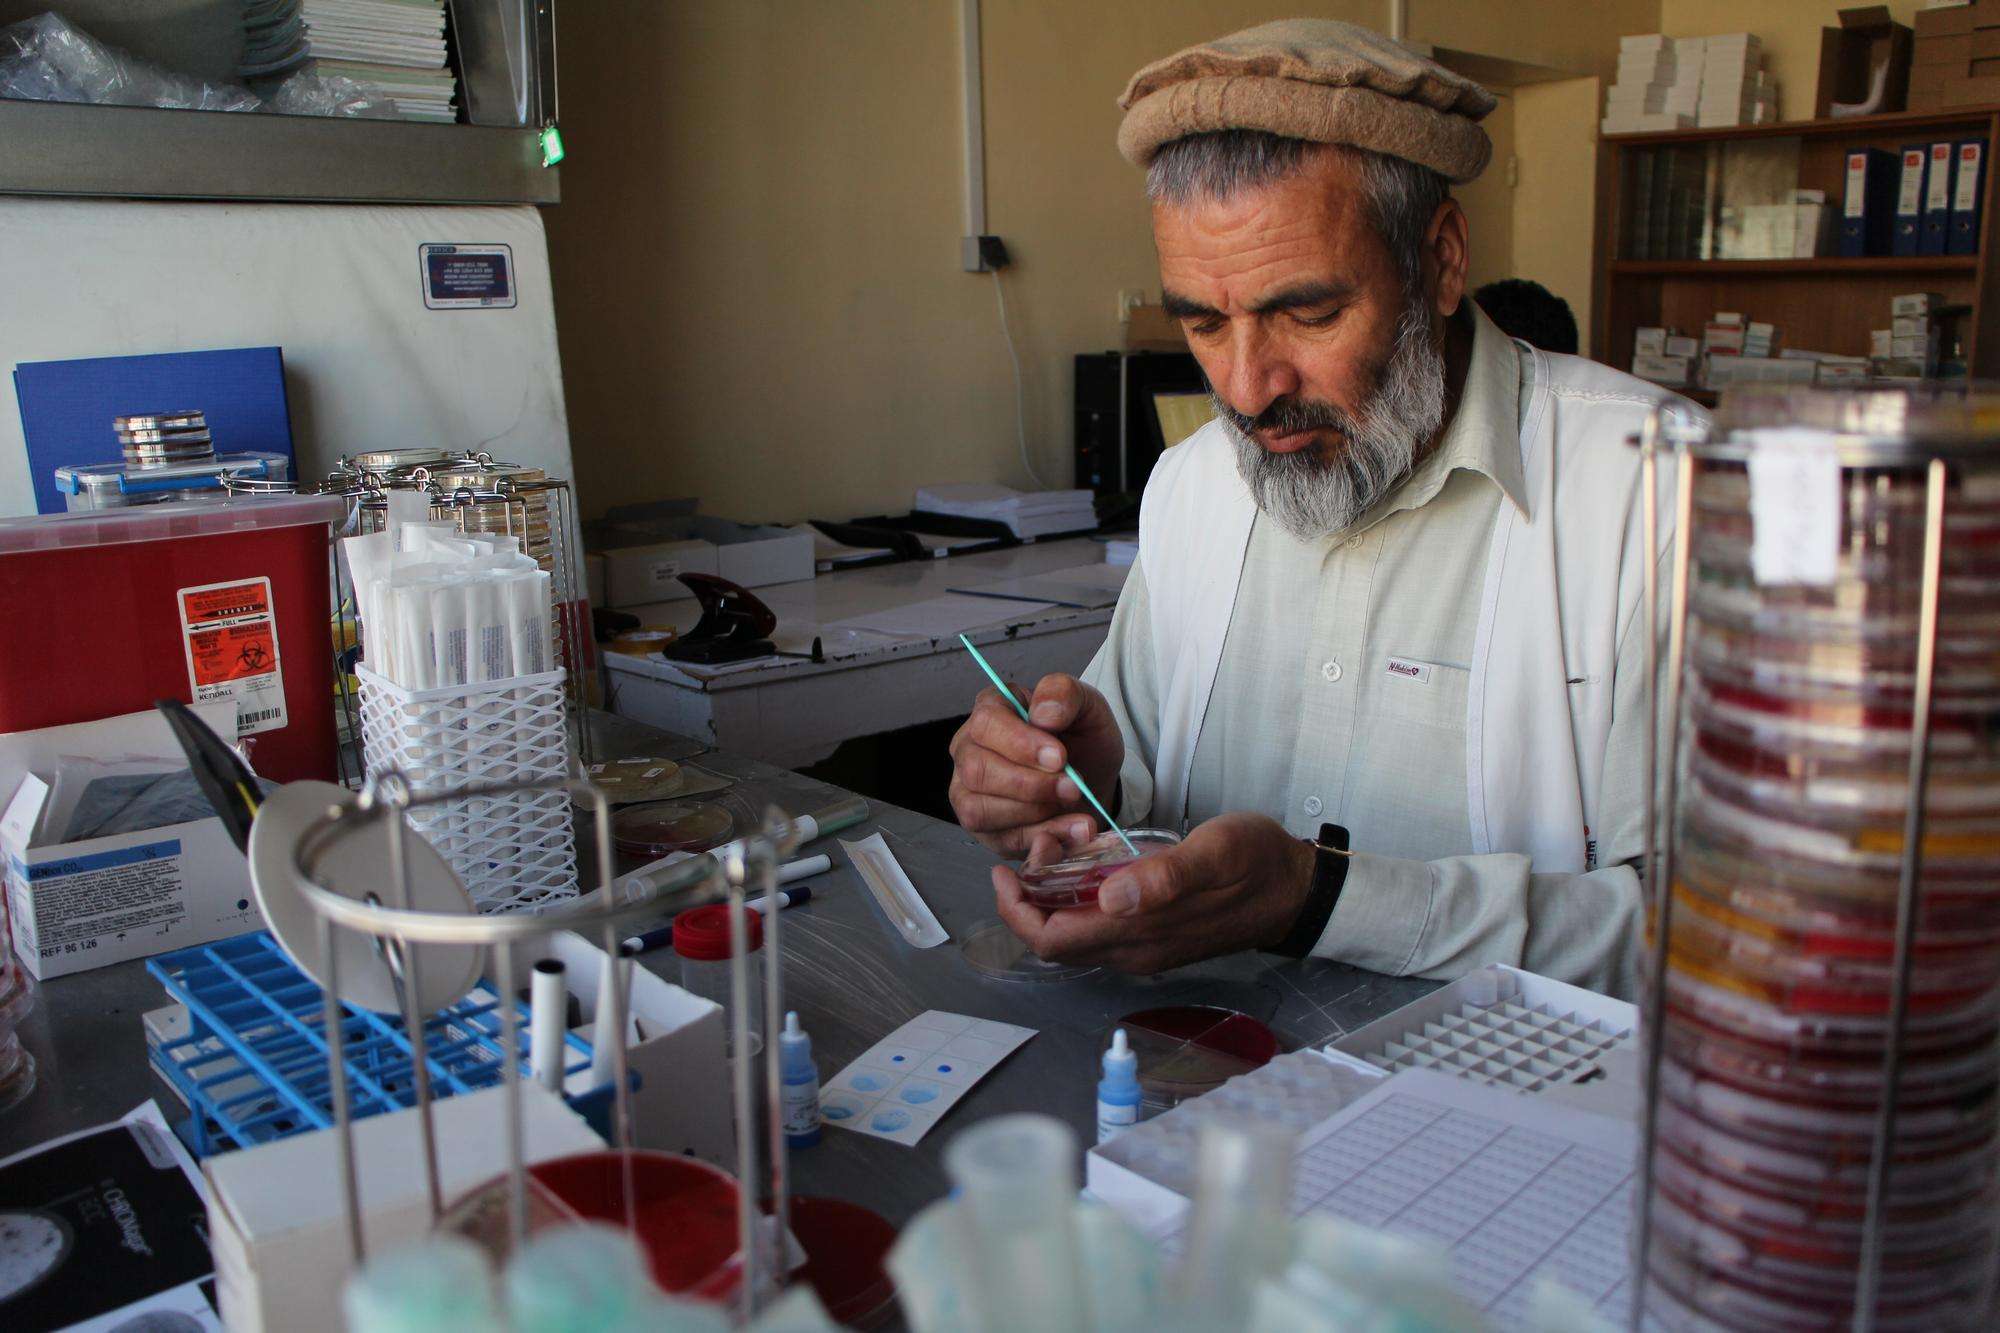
<point>1236,882</point>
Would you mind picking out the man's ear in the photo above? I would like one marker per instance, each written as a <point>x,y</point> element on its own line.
<point>1447,252</point>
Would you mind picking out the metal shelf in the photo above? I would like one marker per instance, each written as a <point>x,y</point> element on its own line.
<point>65,148</point>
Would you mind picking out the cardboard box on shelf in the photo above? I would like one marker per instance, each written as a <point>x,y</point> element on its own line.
<point>1683,345</point>
<point>1879,342</point>
<point>1943,21</point>
<point>1972,92</point>
<point>1667,370</point>
<point>1849,56</point>
<point>1910,326</point>
<point>1956,50</point>
<point>1915,303</point>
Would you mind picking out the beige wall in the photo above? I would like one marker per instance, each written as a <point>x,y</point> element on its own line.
<point>1554,206</point>
<point>756,257</point>
<point>1790,32</point>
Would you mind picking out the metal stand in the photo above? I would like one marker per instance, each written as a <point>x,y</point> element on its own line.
<point>1865,447</point>
<point>752,863</point>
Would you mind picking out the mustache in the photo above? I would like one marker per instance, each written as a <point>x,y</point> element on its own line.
<point>1286,416</point>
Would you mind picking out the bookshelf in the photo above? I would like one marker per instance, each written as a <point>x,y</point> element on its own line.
<point>1826,304</point>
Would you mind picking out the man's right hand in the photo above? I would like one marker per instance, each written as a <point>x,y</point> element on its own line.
<point>1007,775</point>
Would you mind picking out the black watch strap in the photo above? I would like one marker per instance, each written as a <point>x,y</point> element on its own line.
<point>1329,878</point>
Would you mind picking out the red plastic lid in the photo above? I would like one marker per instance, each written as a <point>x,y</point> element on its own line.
<point>702,933</point>
<point>845,1247</point>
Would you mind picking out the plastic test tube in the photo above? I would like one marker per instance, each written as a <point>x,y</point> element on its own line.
<point>1017,1180</point>
<point>548,1001</point>
<point>1240,1230</point>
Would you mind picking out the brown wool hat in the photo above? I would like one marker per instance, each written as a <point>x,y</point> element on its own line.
<point>1313,79</point>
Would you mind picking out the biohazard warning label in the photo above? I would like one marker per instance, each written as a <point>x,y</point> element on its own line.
<point>231,636</point>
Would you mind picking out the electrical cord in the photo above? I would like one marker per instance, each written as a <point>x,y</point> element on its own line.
<point>1020,398</point>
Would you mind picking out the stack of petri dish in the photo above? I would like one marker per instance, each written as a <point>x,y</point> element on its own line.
<point>154,439</point>
<point>1795,748</point>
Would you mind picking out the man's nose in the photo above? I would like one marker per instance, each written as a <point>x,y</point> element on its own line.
<point>1259,373</point>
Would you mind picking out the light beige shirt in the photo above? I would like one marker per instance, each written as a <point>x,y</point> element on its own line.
<point>1341,698</point>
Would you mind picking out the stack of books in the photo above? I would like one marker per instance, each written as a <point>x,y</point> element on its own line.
<point>1027,514</point>
<point>1658,85</point>
<point>394,47</point>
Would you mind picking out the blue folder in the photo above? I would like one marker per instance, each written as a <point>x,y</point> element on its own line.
<point>67,406</point>
<point>1867,213</point>
<point>1908,238</point>
<point>1968,198</point>
<point>1937,198</point>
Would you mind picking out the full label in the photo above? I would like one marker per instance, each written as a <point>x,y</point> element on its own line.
<point>230,633</point>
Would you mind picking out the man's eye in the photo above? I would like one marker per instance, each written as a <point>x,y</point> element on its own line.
<point>1315,321</point>
<point>1205,328</point>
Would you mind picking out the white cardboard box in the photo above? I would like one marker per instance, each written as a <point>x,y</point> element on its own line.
<point>275,1215</point>
<point>641,575</point>
<point>81,905</point>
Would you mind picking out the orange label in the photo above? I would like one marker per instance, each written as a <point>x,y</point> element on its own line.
<point>234,652</point>
<point>227,602</point>
<point>231,638</point>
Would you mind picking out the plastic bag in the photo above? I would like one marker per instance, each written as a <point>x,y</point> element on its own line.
<point>307,94</point>
<point>45,59</point>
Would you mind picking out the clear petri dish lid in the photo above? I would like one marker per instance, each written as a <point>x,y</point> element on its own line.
<point>1965,846</point>
<point>1853,917</point>
<point>1808,720</point>
<point>1824,1224</point>
<point>993,950</point>
<point>1073,881</point>
<point>1879,427</point>
<point>1882,615</point>
<point>1721,1003</point>
<point>655,829</point>
<point>1803,1169</point>
<point>1882,671</point>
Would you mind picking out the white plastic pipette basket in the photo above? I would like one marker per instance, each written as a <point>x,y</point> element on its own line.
<point>514,852</point>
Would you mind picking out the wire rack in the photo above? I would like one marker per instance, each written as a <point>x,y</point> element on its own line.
<point>253,1065</point>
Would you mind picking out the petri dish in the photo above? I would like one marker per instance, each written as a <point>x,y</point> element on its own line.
<point>660,828</point>
<point>995,951</point>
<point>630,781</point>
<point>1185,1050</point>
<point>1074,880</point>
<point>683,1213</point>
<point>846,1248</point>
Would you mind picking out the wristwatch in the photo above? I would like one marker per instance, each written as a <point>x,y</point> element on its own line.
<point>1330,858</point>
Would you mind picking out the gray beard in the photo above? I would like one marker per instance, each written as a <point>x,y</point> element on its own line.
<point>1312,495</point>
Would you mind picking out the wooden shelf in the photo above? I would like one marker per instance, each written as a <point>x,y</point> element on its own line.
<point>1853,127</point>
<point>1828,304</point>
<point>1825,266</point>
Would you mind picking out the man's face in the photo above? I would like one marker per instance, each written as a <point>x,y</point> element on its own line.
<point>1287,296</point>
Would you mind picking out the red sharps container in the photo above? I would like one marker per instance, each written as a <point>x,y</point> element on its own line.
<point>107,611</point>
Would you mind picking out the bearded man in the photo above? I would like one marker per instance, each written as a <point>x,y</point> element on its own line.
<point>1383,651</point>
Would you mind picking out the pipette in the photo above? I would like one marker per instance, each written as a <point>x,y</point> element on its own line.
<point>1069,770</point>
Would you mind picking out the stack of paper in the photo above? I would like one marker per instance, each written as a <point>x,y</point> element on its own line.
<point>396,47</point>
<point>1733,84</point>
<point>1658,85</point>
<point>1026,513</point>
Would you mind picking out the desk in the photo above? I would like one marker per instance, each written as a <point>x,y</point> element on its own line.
<point>794,713</point>
<point>847,972</point>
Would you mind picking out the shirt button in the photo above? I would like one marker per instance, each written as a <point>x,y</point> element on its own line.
<point>1331,670</point>
<point>1313,807</point>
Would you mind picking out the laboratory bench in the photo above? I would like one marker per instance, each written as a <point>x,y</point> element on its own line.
<point>851,977</point>
<point>795,712</point>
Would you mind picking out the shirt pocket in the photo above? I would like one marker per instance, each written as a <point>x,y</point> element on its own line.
<point>1424,694</point>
